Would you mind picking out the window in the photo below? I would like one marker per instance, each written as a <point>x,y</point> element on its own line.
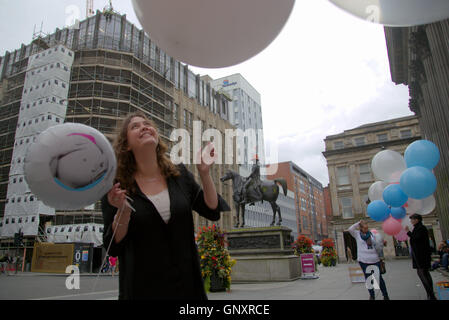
<point>359,141</point>
<point>342,176</point>
<point>305,224</point>
<point>338,145</point>
<point>365,172</point>
<point>406,134</point>
<point>382,137</point>
<point>346,206</point>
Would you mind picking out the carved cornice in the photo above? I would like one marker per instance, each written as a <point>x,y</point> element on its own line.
<point>417,70</point>
<point>414,106</point>
<point>419,43</point>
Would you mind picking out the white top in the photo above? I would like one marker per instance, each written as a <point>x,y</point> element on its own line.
<point>364,254</point>
<point>162,203</point>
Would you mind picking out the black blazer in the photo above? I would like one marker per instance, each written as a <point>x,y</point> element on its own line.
<point>159,260</point>
<point>421,252</point>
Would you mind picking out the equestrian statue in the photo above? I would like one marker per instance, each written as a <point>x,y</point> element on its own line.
<point>251,189</point>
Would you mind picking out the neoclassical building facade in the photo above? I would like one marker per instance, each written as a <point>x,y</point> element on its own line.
<point>349,156</point>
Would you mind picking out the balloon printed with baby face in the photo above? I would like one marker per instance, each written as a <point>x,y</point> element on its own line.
<point>86,154</point>
<point>70,166</point>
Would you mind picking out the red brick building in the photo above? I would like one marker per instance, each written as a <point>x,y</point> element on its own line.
<point>309,199</point>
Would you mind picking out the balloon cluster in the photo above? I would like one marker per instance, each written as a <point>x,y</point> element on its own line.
<point>404,186</point>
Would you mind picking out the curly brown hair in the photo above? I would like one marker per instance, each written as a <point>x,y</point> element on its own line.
<point>126,163</point>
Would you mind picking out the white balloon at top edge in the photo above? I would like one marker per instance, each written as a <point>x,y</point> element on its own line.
<point>397,13</point>
<point>388,165</point>
<point>213,33</point>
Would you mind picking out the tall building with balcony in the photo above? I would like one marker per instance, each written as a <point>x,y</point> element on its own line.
<point>95,73</point>
<point>349,155</point>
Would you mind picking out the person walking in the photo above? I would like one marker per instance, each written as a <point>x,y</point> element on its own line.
<point>421,253</point>
<point>148,219</point>
<point>367,254</point>
<point>112,263</point>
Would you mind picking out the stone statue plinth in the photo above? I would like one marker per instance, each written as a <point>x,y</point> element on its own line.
<point>263,254</point>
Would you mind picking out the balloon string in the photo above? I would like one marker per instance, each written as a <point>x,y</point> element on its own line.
<point>110,243</point>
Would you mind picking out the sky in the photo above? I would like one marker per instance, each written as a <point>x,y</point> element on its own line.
<point>326,72</point>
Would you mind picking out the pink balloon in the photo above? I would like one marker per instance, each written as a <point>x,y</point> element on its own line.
<point>401,236</point>
<point>392,226</point>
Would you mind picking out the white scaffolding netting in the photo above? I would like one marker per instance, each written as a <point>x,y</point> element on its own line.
<point>43,105</point>
<point>82,233</point>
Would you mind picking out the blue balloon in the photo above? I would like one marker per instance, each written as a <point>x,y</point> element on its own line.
<point>418,182</point>
<point>378,210</point>
<point>422,153</point>
<point>398,212</point>
<point>394,196</point>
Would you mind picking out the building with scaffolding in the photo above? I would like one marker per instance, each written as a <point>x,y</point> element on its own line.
<point>94,73</point>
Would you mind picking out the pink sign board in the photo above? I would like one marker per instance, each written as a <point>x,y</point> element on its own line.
<point>307,263</point>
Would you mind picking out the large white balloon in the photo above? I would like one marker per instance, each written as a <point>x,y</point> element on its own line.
<point>421,206</point>
<point>413,205</point>
<point>213,33</point>
<point>407,223</point>
<point>387,165</point>
<point>375,191</point>
<point>427,205</point>
<point>70,166</point>
<point>397,13</point>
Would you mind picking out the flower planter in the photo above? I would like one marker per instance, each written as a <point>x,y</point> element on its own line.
<point>217,284</point>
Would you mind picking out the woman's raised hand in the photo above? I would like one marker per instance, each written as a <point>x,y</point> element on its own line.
<point>205,158</point>
<point>117,196</point>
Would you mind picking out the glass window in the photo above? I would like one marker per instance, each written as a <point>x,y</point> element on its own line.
<point>406,134</point>
<point>382,137</point>
<point>128,36</point>
<point>365,172</point>
<point>191,84</point>
<point>359,141</point>
<point>338,145</point>
<point>346,207</point>
<point>342,176</point>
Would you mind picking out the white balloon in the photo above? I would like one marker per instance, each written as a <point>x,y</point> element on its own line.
<point>213,33</point>
<point>413,205</point>
<point>70,166</point>
<point>397,13</point>
<point>427,205</point>
<point>388,165</point>
<point>375,191</point>
<point>407,223</point>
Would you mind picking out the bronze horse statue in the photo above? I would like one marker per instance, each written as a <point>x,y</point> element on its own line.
<point>268,189</point>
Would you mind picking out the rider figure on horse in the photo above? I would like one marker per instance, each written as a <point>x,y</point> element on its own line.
<point>250,190</point>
